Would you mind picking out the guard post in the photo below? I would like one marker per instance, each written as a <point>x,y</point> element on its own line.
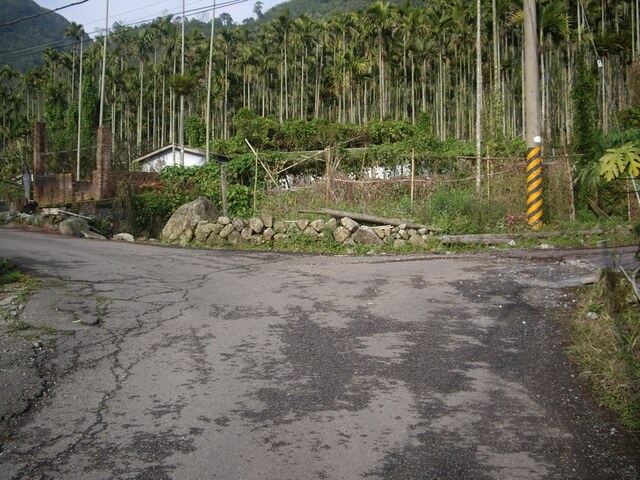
<point>534,185</point>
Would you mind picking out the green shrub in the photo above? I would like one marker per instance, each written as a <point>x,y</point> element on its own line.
<point>629,118</point>
<point>390,131</point>
<point>9,273</point>
<point>153,210</point>
<point>459,210</point>
<point>607,347</point>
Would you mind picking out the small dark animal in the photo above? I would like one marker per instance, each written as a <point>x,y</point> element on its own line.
<point>30,207</point>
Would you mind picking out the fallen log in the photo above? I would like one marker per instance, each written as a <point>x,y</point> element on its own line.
<point>505,238</point>
<point>479,239</point>
<point>361,217</point>
<point>585,232</point>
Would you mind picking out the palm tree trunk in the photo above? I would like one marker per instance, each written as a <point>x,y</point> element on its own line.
<point>140,106</point>
<point>286,78</point>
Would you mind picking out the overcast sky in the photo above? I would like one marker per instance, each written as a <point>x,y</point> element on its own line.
<point>92,13</point>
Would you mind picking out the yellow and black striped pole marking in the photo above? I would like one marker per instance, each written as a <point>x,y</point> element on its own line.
<point>534,187</point>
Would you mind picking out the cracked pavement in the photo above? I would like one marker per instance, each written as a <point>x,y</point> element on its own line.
<point>167,363</point>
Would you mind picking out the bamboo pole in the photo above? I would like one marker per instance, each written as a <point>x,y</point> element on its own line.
<point>413,174</point>
<point>327,176</point>
<point>572,200</point>
<point>255,176</point>
<point>223,188</point>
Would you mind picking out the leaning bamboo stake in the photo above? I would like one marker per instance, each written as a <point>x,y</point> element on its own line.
<point>255,177</point>
<point>413,174</point>
<point>572,215</point>
<point>327,177</point>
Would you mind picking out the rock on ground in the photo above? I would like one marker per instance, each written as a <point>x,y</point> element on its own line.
<point>187,216</point>
<point>123,237</point>
<point>73,227</point>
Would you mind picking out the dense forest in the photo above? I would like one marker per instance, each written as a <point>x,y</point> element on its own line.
<point>324,8</point>
<point>396,69</point>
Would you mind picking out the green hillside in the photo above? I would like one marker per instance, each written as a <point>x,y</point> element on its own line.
<point>38,33</point>
<point>323,8</point>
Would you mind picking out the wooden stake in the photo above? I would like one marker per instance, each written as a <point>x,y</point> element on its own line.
<point>413,174</point>
<point>223,187</point>
<point>255,177</point>
<point>572,200</point>
<point>327,176</point>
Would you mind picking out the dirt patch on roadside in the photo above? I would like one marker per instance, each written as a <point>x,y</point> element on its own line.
<point>30,357</point>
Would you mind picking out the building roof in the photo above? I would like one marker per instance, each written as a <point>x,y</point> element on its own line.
<point>195,151</point>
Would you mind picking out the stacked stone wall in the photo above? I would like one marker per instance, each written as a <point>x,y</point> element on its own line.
<point>259,230</point>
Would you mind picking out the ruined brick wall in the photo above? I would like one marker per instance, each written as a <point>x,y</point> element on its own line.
<point>54,189</point>
<point>82,191</point>
<point>139,181</point>
<point>104,183</point>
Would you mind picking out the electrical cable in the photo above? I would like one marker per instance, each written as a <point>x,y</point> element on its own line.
<point>42,13</point>
<point>191,12</point>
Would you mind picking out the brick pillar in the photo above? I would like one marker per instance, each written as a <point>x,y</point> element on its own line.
<point>39,148</point>
<point>103,183</point>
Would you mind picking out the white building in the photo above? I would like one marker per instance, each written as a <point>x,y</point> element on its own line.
<point>170,156</point>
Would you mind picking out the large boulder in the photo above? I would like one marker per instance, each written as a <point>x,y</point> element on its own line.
<point>73,227</point>
<point>123,237</point>
<point>186,218</point>
<point>366,236</point>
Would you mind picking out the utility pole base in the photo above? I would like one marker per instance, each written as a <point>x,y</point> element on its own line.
<point>534,188</point>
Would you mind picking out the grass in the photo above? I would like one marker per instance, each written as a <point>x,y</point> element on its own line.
<point>15,282</point>
<point>607,348</point>
<point>9,274</point>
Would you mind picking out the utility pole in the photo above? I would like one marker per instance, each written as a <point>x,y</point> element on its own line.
<point>532,126</point>
<point>181,125</point>
<point>79,109</point>
<point>211,44</point>
<point>104,64</point>
<point>478,97</point>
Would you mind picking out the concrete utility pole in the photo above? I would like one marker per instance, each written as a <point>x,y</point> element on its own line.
<point>104,64</point>
<point>79,110</point>
<point>478,97</point>
<point>211,44</point>
<point>532,106</point>
<point>181,126</point>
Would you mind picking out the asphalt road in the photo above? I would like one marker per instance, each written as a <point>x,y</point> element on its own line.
<point>259,365</point>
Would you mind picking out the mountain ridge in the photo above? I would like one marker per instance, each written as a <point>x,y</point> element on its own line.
<point>17,39</point>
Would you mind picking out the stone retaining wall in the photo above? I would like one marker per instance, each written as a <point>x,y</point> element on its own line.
<point>258,230</point>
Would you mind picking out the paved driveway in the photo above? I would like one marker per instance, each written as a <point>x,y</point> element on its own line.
<point>259,365</point>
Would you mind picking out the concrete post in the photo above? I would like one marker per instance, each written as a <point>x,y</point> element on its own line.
<point>103,186</point>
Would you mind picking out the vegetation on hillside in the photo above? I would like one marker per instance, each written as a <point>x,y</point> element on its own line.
<point>396,80</point>
<point>21,43</point>
<point>322,8</point>
<point>606,345</point>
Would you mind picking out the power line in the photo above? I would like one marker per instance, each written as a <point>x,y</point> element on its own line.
<point>45,44</point>
<point>42,13</point>
<point>191,12</point>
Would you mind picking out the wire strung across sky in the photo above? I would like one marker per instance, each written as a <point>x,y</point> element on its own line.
<point>60,45</point>
<point>24,19</point>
